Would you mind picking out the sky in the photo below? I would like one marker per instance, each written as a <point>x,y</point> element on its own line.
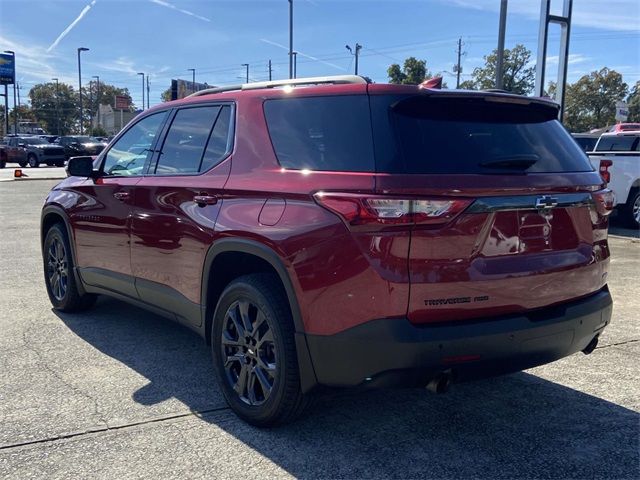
<point>164,38</point>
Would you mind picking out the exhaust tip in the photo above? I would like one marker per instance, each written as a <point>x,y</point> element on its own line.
<point>440,383</point>
<point>591,347</point>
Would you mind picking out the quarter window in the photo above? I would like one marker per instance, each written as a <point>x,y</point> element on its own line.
<point>131,152</point>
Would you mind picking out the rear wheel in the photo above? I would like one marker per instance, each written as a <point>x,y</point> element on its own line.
<point>631,210</point>
<point>33,161</point>
<point>254,352</point>
<point>59,275</point>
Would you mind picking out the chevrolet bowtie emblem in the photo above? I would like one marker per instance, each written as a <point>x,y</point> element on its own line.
<point>545,202</point>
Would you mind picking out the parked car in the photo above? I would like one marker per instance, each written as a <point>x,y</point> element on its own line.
<point>3,154</point>
<point>617,157</point>
<point>625,127</point>
<point>33,151</point>
<point>333,232</point>
<point>49,138</point>
<point>587,141</point>
<point>79,145</point>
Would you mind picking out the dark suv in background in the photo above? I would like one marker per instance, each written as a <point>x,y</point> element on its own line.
<point>78,145</point>
<point>33,151</point>
<point>334,232</point>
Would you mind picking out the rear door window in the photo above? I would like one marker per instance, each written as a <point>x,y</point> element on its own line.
<point>198,139</point>
<point>425,135</point>
<point>322,133</point>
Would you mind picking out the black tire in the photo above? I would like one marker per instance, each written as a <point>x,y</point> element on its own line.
<point>268,357</point>
<point>32,159</point>
<point>23,163</point>
<point>3,164</point>
<point>59,164</point>
<point>58,273</point>
<point>631,210</point>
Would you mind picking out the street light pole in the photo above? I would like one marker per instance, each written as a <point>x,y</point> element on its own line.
<point>501,33</point>
<point>246,65</point>
<point>148,90</point>
<point>291,39</point>
<point>80,49</point>
<point>57,105</point>
<point>98,96</point>
<point>15,112</point>
<point>193,79</point>
<point>141,73</point>
<point>295,64</point>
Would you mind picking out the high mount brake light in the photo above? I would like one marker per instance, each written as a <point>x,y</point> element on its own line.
<point>362,210</point>
<point>604,169</point>
<point>604,201</point>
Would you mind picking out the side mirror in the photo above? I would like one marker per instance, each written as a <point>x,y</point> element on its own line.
<point>81,167</point>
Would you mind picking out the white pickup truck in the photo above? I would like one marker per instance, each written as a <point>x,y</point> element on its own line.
<point>617,157</point>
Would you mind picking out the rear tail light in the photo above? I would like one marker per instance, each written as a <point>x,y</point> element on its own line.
<point>363,210</point>
<point>604,169</point>
<point>604,201</point>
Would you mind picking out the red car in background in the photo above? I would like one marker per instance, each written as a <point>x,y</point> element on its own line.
<point>335,232</point>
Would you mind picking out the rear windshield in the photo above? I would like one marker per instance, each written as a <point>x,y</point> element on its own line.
<point>586,143</point>
<point>618,143</point>
<point>425,135</point>
<point>322,133</point>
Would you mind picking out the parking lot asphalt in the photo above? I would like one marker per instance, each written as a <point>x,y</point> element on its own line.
<point>117,392</point>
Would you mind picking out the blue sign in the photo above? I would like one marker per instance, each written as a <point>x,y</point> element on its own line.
<point>7,69</point>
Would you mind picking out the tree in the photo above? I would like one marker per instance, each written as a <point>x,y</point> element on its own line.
<point>468,85</point>
<point>166,95</point>
<point>518,73</point>
<point>633,101</point>
<point>413,72</point>
<point>59,115</point>
<point>591,101</point>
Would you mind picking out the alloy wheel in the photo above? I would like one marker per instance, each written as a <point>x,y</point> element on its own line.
<point>636,209</point>
<point>57,269</point>
<point>248,352</point>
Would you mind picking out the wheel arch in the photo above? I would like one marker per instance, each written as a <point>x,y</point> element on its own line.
<point>254,257</point>
<point>52,214</point>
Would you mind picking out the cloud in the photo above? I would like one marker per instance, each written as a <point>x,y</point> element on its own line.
<point>173,7</point>
<point>621,15</point>
<point>279,45</point>
<point>64,33</point>
<point>574,58</point>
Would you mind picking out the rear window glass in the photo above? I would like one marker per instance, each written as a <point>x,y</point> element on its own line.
<point>586,143</point>
<point>425,135</point>
<point>618,143</point>
<point>322,133</point>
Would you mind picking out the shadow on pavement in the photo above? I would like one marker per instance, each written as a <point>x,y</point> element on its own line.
<point>516,426</point>
<point>618,227</point>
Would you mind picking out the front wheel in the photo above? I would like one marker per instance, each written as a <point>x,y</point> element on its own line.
<point>23,163</point>
<point>59,275</point>
<point>33,161</point>
<point>254,352</point>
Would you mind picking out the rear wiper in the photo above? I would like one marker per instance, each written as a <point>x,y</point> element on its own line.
<point>519,162</point>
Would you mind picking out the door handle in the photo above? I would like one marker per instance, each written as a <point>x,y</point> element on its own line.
<point>122,196</point>
<point>203,200</point>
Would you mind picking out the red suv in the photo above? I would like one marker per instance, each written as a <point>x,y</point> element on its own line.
<point>334,232</point>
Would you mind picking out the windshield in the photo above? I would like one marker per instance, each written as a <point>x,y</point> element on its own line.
<point>34,141</point>
<point>619,143</point>
<point>81,139</point>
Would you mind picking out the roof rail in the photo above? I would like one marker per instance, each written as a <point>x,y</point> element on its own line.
<point>328,80</point>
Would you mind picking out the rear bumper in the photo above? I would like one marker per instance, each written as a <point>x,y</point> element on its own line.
<point>397,352</point>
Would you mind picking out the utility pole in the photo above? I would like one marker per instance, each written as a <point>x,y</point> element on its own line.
<point>291,39</point>
<point>193,79</point>
<point>246,65</point>
<point>98,96</point>
<point>80,50</point>
<point>6,110</point>
<point>501,32</point>
<point>142,73</point>
<point>90,107</point>
<point>355,52</point>
<point>57,106</point>
<point>270,70</point>
<point>458,67</point>
<point>295,64</point>
<point>148,90</point>
<point>15,112</point>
